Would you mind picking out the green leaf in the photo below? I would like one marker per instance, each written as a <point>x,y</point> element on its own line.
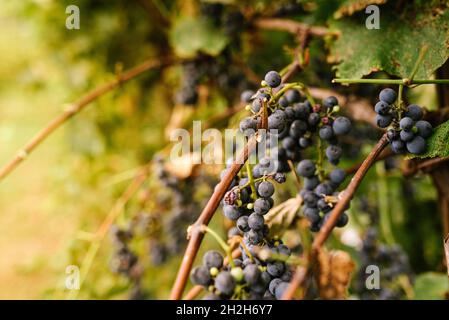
<point>438,143</point>
<point>394,47</point>
<point>431,286</point>
<point>191,35</point>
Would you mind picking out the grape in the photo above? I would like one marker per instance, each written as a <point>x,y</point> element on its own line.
<point>283,249</point>
<point>341,126</point>
<point>276,121</point>
<point>311,183</point>
<point>330,102</point>
<point>251,273</point>
<point>326,132</point>
<point>337,176</point>
<point>273,79</point>
<point>342,220</point>
<point>302,111</point>
<point>333,153</point>
<point>417,145</point>
<point>280,177</point>
<point>256,105</point>
<point>306,168</point>
<point>310,199</point>
<point>312,214</point>
<point>255,221</point>
<point>234,231</point>
<point>242,224</point>
<point>314,119</point>
<point>288,143</point>
<point>273,284</point>
<point>225,283</point>
<point>280,290</point>
<point>323,205</point>
<point>292,96</point>
<point>283,102</point>
<point>261,206</point>
<point>248,125</point>
<point>388,95</point>
<point>383,121</point>
<point>304,142</point>
<point>276,268</point>
<point>246,96</point>
<point>297,128</point>
<point>406,123</point>
<point>200,275</point>
<point>254,237</point>
<point>382,108</point>
<point>265,189</point>
<point>231,212</point>
<point>398,146</point>
<point>289,113</point>
<point>424,128</point>
<point>324,188</point>
<point>212,259</point>
<point>406,135</point>
<point>414,111</point>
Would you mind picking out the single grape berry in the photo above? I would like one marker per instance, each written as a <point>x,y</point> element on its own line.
<point>248,125</point>
<point>398,146</point>
<point>330,102</point>
<point>306,168</point>
<point>276,268</point>
<point>280,290</point>
<point>406,135</point>
<point>212,259</point>
<point>388,95</point>
<point>242,224</point>
<point>201,276</point>
<point>265,189</point>
<point>292,96</point>
<point>326,132</point>
<point>314,119</point>
<point>283,102</point>
<point>342,220</point>
<point>246,96</point>
<point>333,153</point>
<point>231,212</point>
<point>276,121</point>
<point>297,128</point>
<point>424,128</point>
<point>383,121</point>
<point>225,283</point>
<point>311,183</point>
<point>382,108</point>
<point>304,142</point>
<point>341,126</point>
<point>337,176</point>
<point>302,111</point>
<point>251,274</point>
<point>406,123</point>
<point>417,145</point>
<point>261,206</point>
<point>414,111</point>
<point>254,237</point>
<point>255,221</point>
<point>273,284</point>
<point>280,177</point>
<point>273,79</point>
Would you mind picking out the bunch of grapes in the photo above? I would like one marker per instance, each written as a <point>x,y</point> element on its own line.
<point>392,262</point>
<point>406,129</point>
<point>125,262</point>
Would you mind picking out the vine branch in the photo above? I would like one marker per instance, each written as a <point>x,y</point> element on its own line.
<point>75,108</point>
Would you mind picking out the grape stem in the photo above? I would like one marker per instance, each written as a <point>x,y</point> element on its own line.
<point>251,180</point>
<point>405,81</point>
<point>328,226</point>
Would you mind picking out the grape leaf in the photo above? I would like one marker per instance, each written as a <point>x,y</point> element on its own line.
<point>350,6</point>
<point>394,47</point>
<point>431,286</point>
<point>190,35</point>
<point>438,143</point>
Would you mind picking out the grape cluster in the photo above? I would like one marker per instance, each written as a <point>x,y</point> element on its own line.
<point>392,262</point>
<point>247,278</point>
<point>407,132</point>
<point>125,262</point>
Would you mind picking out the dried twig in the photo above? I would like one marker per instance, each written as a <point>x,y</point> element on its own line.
<point>74,109</point>
<point>292,26</point>
<point>340,207</point>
